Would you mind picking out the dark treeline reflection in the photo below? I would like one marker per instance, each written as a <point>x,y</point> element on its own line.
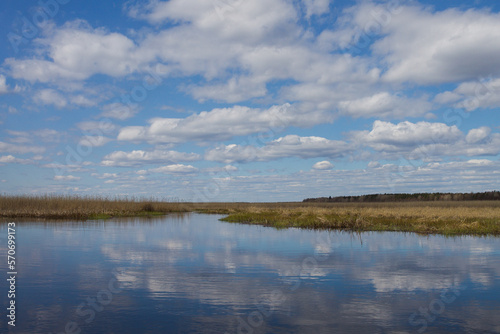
<point>191,273</point>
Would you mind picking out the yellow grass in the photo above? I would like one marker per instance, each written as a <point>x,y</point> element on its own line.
<point>460,217</point>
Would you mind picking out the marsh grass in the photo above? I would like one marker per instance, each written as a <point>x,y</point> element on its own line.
<point>452,218</point>
<point>81,207</point>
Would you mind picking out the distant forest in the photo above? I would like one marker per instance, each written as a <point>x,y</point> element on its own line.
<point>486,196</point>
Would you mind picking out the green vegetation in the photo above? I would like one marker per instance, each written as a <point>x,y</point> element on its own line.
<point>444,217</point>
<point>484,196</point>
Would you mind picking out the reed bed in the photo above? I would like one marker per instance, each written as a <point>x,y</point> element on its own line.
<point>444,217</point>
<point>81,207</point>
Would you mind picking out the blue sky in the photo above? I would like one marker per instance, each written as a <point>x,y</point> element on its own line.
<point>234,100</point>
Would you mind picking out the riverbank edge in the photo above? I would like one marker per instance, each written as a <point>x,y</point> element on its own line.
<point>360,223</point>
<point>307,219</point>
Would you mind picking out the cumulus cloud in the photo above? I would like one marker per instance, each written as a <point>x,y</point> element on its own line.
<point>105,175</point>
<point>386,136</point>
<point>20,149</point>
<point>258,39</point>
<point>103,126</point>
<point>119,111</point>
<point>459,176</point>
<point>323,165</point>
<point>175,169</point>
<point>316,7</point>
<point>424,140</point>
<point>477,135</point>
<point>9,159</point>
<point>472,95</point>
<point>139,158</point>
<point>233,90</point>
<point>437,47</point>
<point>50,97</point>
<point>4,88</point>
<point>44,135</point>
<point>284,147</point>
<point>66,178</point>
<point>221,124</point>
<point>3,85</point>
<point>385,105</point>
<point>61,100</point>
<point>268,54</point>
<point>76,51</point>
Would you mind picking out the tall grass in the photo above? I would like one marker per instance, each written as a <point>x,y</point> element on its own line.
<point>450,218</point>
<point>467,217</point>
<point>81,207</point>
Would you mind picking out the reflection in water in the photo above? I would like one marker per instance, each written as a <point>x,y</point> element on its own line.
<point>193,274</point>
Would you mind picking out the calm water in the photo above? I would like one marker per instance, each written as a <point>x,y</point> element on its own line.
<point>194,274</point>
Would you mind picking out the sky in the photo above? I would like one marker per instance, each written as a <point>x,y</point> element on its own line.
<point>238,100</point>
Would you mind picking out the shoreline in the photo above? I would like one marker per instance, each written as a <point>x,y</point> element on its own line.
<point>443,217</point>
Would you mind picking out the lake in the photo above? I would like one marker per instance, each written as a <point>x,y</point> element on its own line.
<point>191,273</point>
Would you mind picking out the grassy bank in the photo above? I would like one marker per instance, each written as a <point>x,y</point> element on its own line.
<point>79,207</point>
<point>452,218</point>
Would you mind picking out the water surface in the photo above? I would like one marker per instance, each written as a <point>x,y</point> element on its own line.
<point>193,274</point>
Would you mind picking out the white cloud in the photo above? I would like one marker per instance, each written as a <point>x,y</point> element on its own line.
<point>472,95</point>
<point>4,88</point>
<point>82,101</point>
<point>105,175</point>
<point>460,176</point>
<point>175,169</point>
<point>445,46</point>
<point>222,124</point>
<point>103,126</point>
<point>229,168</point>
<point>424,140</point>
<point>66,178</point>
<point>477,135</point>
<point>233,90</point>
<point>386,136</point>
<point>385,105</point>
<point>316,7</point>
<point>3,85</point>
<point>44,135</point>
<point>50,97</point>
<point>20,149</point>
<point>9,159</point>
<point>226,169</point>
<point>119,111</point>
<point>158,11</point>
<point>233,19</point>
<point>139,158</point>
<point>323,165</point>
<point>284,147</point>
<point>76,52</point>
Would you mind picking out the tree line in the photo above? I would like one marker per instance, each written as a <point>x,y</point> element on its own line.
<point>484,196</point>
